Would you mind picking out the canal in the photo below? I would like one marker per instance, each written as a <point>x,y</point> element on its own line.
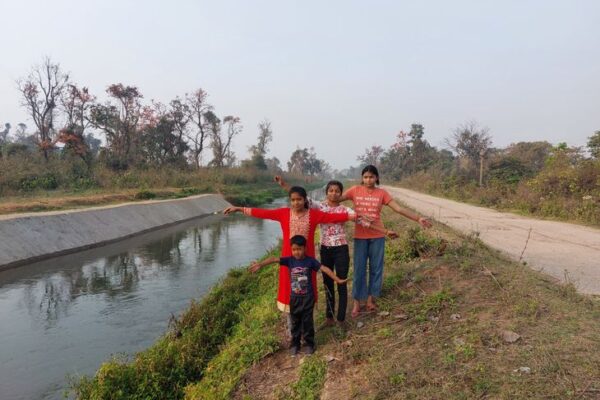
<point>64,316</point>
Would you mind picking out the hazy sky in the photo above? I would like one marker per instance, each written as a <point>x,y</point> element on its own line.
<point>336,75</point>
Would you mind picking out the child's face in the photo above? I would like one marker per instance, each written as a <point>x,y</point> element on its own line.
<point>369,179</point>
<point>334,193</point>
<point>298,251</point>
<point>296,202</point>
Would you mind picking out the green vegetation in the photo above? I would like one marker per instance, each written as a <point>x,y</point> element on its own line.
<point>535,178</point>
<point>447,308</point>
<point>232,322</point>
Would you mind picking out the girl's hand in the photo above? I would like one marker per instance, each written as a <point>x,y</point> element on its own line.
<point>391,234</point>
<point>341,281</point>
<point>254,267</point>
<point>231,210</point>
<point>424,222</point>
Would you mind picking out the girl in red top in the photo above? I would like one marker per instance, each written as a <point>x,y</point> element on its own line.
<point>369,243</point>
<point>298,219</point>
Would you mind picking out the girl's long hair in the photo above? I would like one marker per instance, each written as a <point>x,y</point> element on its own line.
<point>301,192</point>
<point>372,169</point>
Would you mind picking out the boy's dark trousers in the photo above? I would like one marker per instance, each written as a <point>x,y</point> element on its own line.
<point>301,312</point>
<point>338,259</point>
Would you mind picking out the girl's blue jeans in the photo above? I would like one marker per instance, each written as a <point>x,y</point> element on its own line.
<point>370,250</point>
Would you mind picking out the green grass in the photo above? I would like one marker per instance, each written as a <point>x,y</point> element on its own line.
<point>240,306</point>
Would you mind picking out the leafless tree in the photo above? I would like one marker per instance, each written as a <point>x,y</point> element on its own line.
<point>76,103</point>
<point>221,142</point>
<point>41,91</point>
<point>471,143</point>
<point>197,109</point>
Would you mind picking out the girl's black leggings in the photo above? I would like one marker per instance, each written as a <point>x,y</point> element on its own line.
<point>338,259</point>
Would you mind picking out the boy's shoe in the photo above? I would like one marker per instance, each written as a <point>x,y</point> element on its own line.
<point>309,350</point>
<point>294,351</point>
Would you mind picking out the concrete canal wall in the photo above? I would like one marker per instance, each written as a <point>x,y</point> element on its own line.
<point>31,237</point>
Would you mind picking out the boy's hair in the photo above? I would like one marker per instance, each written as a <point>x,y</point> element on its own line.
<point>298,240</point>
<point>334,183</point>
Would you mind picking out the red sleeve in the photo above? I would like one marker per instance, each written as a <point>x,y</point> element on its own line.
<point>386,198</point>
<point>329,218</point>
<point>265,213</point>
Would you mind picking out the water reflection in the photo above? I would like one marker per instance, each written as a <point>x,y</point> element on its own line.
<point>68,314</point>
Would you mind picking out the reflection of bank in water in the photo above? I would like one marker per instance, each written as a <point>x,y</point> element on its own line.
<point>69,314</point>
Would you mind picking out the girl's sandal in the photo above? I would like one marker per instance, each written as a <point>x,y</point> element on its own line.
<point>355,313</point>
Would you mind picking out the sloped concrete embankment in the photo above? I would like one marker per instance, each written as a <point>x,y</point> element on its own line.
<point>31,237</point>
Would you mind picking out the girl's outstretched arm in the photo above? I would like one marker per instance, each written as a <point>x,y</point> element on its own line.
<point>232,209</point>
<point>424,222</point>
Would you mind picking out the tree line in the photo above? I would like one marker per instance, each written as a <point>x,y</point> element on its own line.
<point>186,132</point>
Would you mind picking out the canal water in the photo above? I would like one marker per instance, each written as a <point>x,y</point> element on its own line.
<point>65,316</point>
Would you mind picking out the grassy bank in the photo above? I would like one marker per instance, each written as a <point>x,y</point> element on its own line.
<point>241,307</point>
<point>457,321</point>
<point>240,187</point>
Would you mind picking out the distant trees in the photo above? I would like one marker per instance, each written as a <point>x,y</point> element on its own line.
<point>371,156</point>
<point>471,143</point>
<point>305,161</point>
<point>593,145</point>
<point>258,151</point>
<point>41,91</point>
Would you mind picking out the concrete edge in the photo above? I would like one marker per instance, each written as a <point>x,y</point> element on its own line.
<point>20,234</point>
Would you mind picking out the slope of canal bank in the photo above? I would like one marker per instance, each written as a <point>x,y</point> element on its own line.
<point>25,238</point>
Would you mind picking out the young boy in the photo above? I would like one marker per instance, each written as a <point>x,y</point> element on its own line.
<point>302,299</point>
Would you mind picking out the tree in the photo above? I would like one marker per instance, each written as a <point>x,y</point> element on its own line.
<point>4,133</point>
<point>594,145</point>
<point>305,161</point>
<point>120,121</point>
<point>259,150</point>
<point>41,91</point>
<point>198,112</point>
<point>532,155</point>
<point>223,156</point>
<point>76,104</point>
<point>161,143</point>
<point>274,165</point>
<point>371,156</point>
<point>471,143</point>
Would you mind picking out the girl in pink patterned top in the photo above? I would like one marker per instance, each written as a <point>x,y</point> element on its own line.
<point>334,247</point>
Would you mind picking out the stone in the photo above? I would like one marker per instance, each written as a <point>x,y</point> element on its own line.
<point>384,313</point>
<point>455,317</point>
<point>523,370</point>
<point>510,336</point>
<point>401,316</point>
<point>360,324</point>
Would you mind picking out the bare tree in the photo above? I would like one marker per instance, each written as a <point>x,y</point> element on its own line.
<point>471,143</point>
<point>76,104</point>
<point>221,142</point>
<point>371,156</point>
<point>197,109</point>
<point>40,91</point>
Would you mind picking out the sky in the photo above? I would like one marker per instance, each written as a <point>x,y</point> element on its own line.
<point>337,75</point>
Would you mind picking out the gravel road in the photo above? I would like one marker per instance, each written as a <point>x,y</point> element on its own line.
<point>552,247</point>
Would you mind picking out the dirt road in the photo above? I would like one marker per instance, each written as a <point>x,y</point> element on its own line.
<point>553,247</point>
